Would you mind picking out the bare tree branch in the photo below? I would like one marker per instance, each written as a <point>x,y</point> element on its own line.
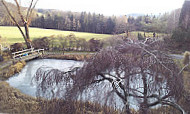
<point>29,8</point>
<point>31,11</point>
<point>183,68</point>
<point>19,11</point>
<point>14,20</point>
<point>175,105</point>
<point>26,22</point>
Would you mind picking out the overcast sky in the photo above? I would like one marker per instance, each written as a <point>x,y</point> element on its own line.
<point>112,7</point>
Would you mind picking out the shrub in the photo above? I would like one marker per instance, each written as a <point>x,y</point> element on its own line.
<point>186,58</point>
<point>17,47</point>
<point>41,43</point>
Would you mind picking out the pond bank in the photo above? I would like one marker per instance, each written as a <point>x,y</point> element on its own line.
<point>9,68</point>
<point>13,101</point>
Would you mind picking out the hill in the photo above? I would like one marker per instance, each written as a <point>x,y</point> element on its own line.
<point>3,12</point>
<point>12,34</point>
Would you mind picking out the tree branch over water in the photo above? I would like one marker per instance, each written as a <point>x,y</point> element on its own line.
<point>130,70</point>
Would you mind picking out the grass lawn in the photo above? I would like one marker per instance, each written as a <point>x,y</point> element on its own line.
<point>13,35</point>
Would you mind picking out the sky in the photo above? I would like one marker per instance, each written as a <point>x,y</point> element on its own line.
<point>111,7</point>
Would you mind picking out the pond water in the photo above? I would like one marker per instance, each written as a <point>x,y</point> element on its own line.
<point>23,80</point>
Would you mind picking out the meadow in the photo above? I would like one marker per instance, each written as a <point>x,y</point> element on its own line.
<point>13,35</point>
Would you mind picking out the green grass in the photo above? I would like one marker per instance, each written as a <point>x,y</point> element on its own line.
<point>13,35</point>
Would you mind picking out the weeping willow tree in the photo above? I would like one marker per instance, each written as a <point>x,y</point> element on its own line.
<point>128,75</point>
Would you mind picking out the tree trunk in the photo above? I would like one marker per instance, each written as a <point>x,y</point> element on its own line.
<point>127,109</point>
<point>144,104</point>
<point>28,44</point>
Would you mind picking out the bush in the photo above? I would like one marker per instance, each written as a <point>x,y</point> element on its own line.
<point>41,43</point>
<point>17,47</point>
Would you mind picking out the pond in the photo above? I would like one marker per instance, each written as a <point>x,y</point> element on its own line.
<point>23,80</point>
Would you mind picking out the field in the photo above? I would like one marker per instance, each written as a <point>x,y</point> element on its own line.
<point>13,35</point>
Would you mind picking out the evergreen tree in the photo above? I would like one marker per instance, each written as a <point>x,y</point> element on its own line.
<point>67,24</point>
<point>110,25</point>
<point>78,25</point>
<point>42,20</point>
<point>74,25</point>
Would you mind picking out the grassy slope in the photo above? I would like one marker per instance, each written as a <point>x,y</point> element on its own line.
<point>12,34</point>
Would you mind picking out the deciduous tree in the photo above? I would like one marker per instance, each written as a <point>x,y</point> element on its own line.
<point>26,20</point>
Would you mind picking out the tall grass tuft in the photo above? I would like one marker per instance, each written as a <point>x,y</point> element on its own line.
<point>186,58</point>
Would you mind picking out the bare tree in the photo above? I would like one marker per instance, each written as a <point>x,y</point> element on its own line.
<point>26,20</point>
<point>131,73</point>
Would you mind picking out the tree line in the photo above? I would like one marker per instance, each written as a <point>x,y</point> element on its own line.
<point>82,22</point>
<point>98,23</point>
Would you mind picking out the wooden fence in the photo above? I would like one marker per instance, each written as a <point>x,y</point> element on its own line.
<point>27,52</point>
